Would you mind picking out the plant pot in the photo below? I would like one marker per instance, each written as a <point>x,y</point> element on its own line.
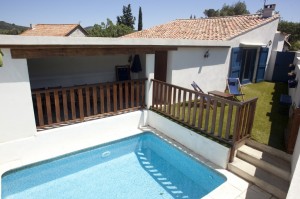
<point>291,67</point>
<point>292,83</point>
<point>291,75</point>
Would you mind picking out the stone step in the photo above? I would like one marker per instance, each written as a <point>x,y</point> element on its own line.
<point>266,161</point>
<point>265,148</point>
<point>258,176</point>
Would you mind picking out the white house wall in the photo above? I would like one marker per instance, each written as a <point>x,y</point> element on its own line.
<point>77,33</point>
<point>149,70</point>
<point>69,71</point>
<point>293,192</point>
<point>16,110</point>
<point>261,35</point>
<point>188,64</point>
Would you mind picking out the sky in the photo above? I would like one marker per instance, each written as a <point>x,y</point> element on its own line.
<point>155,12</point>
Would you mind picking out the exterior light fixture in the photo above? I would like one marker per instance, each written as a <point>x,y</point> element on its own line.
<point>206,55</point>
<point>270,43</point>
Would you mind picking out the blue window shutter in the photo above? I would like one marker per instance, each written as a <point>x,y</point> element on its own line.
<point>262,62</point>
<point>235,62</point>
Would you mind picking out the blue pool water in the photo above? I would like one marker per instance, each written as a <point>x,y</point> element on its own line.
<point>142,166</point>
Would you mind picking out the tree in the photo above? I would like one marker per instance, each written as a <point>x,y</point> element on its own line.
<point>126,19</point>
<point>109,29</point>
<point>211,13</point>
<point>292,28</point>
<point>140,22</point>
<point>239,8</point>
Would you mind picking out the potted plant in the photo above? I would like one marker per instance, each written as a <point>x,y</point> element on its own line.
<point>291,67</point>
<point>292,83</point>
<point>291,75</point>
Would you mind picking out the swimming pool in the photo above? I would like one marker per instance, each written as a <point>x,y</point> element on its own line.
<point>141,166</point>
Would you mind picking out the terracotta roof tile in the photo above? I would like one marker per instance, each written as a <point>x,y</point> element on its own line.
<point>50,30</point>
<point>216,28</point>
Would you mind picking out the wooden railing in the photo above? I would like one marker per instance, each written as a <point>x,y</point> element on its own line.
<point>74,104</point>
<point>225,120</point>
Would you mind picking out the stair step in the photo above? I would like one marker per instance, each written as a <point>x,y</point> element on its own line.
<point>275,152</point>
<point>266,161</point>
<point>260,177</point>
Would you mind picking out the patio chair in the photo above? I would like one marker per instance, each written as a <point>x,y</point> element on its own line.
<point>234,87</point>
<point>198,89</point>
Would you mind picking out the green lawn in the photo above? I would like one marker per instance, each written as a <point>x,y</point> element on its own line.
<point>270,117</point>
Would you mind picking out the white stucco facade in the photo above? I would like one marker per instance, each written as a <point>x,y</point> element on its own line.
<point>189,64</point>
<point>77,33</point>
<point>16,115</point>
<point>293,192</point>
<point>149,71</point>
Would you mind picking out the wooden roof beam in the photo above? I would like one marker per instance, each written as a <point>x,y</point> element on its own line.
<point>54,52</point>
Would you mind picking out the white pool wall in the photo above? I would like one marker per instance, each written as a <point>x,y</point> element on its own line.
<point>203,146</point>
<point>54,142</point>
<point>58,141</point>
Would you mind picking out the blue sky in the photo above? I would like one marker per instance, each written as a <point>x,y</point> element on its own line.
<point>155,12</point>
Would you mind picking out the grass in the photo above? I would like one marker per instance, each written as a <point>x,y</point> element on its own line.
<point>270,117</point>
<point>270,120</point>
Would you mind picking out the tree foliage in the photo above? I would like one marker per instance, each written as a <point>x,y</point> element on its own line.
<point>292,28</point>
<point>238,8</point>
<point>211,13</point>
<point>140,22</point>
<point>11,32</point>
<point>127,18</point>
<point>109,29</point>
<point>11,28</point>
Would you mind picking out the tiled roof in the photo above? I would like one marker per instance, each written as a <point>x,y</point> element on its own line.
<point>215,28</point>
<point>51,30</point>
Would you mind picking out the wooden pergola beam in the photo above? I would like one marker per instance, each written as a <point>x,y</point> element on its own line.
<point>82,51</point>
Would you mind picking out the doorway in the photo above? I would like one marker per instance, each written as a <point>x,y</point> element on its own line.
<point>248,64</point>
<point>161,61</point>
<point>247,67</point>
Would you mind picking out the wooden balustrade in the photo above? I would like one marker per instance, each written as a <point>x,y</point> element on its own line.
<point>225,120</point>
<point>74,104</point>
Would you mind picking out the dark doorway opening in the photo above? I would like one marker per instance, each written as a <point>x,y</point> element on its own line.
<point>248,65</point>
<point>160,69</point>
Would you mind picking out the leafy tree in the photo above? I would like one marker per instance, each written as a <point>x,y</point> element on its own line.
<point>13,31</point>
<point>109,29</point>
<point>211,13</point>
<point>127,19</point>
<point>239,8</point>
<point>140,22</point>
<point>292,28</point>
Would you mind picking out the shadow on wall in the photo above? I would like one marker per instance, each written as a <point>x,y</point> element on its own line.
<point>278,117</point>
